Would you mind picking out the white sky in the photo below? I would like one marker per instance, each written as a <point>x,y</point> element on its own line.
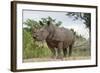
<point>67,22</point>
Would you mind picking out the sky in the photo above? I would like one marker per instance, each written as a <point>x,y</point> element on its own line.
<point>67,21</point>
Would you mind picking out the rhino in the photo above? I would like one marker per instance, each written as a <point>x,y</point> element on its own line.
<point>58,39</point>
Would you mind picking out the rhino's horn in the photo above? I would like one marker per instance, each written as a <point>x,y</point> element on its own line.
<point>48,23</point>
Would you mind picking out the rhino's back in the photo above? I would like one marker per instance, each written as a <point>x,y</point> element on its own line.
<point>63,34</point>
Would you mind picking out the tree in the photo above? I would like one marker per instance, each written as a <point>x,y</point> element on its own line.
<point>44,20</point>
<point>84,16</point>
<point>31,24</point>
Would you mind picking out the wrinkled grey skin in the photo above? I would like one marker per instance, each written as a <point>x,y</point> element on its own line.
<point>57,39</point>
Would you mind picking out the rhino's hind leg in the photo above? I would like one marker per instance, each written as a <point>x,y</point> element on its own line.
<point>70,50</point>
<point>65,52</point>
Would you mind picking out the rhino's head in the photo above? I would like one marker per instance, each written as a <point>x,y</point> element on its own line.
<point>42,33</point>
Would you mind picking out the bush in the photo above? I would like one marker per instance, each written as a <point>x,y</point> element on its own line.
<point>32,49</point>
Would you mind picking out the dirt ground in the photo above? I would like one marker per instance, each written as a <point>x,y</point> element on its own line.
<point>50,59</point>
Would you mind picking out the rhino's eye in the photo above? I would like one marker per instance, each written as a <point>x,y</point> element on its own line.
<point>34,31</point>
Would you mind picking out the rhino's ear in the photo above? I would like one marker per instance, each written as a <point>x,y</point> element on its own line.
<point>41,23</point>
<point>48,23</point>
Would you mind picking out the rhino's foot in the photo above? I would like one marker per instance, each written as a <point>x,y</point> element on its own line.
<point>69,55</point>
<point>60,57</point>
<point>53,57</point>
<point>65,56</point>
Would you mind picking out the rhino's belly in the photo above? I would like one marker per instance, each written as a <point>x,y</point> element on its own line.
<point>52,43</point>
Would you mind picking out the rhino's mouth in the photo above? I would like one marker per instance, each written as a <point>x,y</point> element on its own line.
<point>34,37</point>
<point>37,39</point>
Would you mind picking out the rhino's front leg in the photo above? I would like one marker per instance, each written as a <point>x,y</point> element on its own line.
<point>53,52</point>
<point>60,50</point>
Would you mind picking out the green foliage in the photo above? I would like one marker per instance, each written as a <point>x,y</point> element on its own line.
<point>31,23</point>
<point>32,48</point>
<point>45,20</point>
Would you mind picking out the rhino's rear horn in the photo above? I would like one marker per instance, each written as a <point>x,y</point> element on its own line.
<point>48,23</point>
